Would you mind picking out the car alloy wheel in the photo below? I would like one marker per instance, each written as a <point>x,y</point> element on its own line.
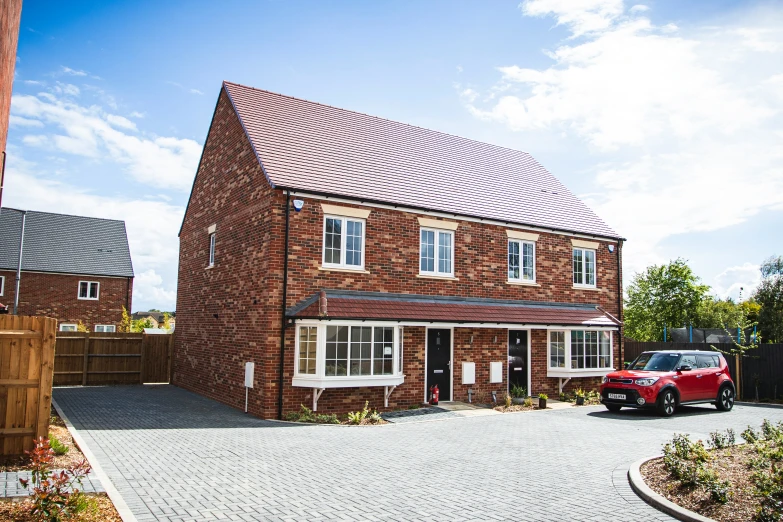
<point>726,400</point>
<point>667,403</point>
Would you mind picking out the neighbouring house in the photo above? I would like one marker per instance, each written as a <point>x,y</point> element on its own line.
<point>156,319</point>
<point>75,269</point>
<point>353,258</point>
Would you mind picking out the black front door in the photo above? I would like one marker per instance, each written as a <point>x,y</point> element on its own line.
<point>517,359</point>
<point>439,362</point>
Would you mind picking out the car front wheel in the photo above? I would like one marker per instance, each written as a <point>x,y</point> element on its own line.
<point>725,399</point>
<point>667,403</point>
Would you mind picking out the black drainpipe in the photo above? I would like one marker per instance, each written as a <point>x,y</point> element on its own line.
<point>282,318</point>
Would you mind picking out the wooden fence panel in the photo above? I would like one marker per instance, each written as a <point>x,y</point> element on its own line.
<point>26,365</point>
<point>95,359</point>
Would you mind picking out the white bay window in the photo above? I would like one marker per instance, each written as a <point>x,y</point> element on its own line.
<point>574,353</point>
<point>348,354</point>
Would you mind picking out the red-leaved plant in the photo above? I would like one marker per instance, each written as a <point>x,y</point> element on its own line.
<point>54,494</point>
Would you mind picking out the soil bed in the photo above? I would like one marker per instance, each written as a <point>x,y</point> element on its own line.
<point>731,464</point>
<point>514,408</point>
<point>100,510</point>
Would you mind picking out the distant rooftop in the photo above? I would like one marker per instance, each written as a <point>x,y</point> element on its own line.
<point>62,243</point>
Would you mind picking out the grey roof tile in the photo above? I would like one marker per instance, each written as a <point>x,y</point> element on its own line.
<point>316,148</point>
<point>65,244</point>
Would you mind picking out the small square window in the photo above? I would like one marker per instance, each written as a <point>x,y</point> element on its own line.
<point>89,290</point>
<point>105,328</point>
<point>66,327</point>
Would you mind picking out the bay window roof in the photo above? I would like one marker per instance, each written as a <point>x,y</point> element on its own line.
<point>380,306</point>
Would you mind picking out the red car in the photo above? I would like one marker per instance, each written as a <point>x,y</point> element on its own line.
<point>666,379</point>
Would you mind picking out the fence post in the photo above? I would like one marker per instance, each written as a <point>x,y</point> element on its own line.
<point>47,375</point>
<point>171,356</point>
<point>86,358</point>
<point>143,358</point>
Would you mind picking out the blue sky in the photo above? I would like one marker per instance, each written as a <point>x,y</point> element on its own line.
<point>664,116</point>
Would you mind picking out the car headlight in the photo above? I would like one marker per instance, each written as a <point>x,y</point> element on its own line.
<point>647,381</point>
<point>605,379</point>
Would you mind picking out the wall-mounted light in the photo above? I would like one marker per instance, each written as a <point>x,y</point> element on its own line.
<point>298,204</point>
<point>611,248</point>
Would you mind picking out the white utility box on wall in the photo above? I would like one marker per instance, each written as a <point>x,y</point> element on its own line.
<point>496,372</point>
<point>468,373</point>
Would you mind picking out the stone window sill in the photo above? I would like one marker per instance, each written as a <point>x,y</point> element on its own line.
<point>522,283</point>
<point>589,288</point>
<point>338,269</point>
<point>442,278</point>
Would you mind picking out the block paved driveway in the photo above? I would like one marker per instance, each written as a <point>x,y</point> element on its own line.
<point>174,455</point>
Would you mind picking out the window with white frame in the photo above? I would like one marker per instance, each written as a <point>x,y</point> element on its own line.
<point>212,249</point>
<point>67,327</point>
<point>105,328</point>
<point>343,242</point>
<point>521,260</point>
<point>584,267</point>
<point>2,285</point>
<point>89,290</point>
<point>348,351</point>
<point>580,350</point>
<point>437,252</point>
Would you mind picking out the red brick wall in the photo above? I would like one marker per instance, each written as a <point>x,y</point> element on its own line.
<point>231,313</point>
<point>10,15</point>
<point>55,295</point>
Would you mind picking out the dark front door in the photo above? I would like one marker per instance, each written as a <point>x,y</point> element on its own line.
<point>439,362</point>
<point>517,358</point>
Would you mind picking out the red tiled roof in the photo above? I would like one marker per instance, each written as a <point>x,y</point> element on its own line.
<point>419,308</point>
<point>316,148</point>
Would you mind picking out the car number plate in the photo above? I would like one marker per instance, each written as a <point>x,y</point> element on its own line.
<point>620,396</point>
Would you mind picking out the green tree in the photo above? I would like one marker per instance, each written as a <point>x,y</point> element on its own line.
<point>125,323</point>
<point>140,324</point>
<point>717,313</point>
<point>769,295</point>
<point>667,294</point>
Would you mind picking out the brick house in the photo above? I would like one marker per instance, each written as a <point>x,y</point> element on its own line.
<point>353,258</point>
<point>75,269</point>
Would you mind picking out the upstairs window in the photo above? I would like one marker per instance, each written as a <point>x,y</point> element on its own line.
<point>343,242</point>
<point>66,327</point>
<point>521,260</point>
<point>105,328</point>
<point>2,284</point>
<point>437,252</point>
<point>89,290</point>
<point>584,267</point>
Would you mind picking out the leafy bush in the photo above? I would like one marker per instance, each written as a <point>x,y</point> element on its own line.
<point>684,459</point>
<point>305,414</point>
<point>58,447</point>
<point>720,440</point>
<point>580,393</point>
<point>55,495</point>
<point>507,400</point>
<point>543,396</point>
<point>518,391</point>
<point>750,435</point>
<point>528,402</point>
<point>365,414</point>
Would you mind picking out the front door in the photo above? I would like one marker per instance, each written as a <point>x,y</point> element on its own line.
<point>439,362</point>
<point>517,359</point>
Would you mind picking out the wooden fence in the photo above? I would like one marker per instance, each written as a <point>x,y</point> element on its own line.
<point>26,364</point>
<point>92,359</point>
<point>760,374</point>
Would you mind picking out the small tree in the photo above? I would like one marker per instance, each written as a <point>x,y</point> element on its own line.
<point>166,323</point>
<point>769,295</point>
<point>667,294</point>
<point>125,324</point>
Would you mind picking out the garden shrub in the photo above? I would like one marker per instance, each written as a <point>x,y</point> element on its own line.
<point>720,440</point>
<point>58,447</point>
<point>305,414</point>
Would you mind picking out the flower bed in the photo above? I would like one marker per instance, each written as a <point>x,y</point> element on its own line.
<point>725,482</point>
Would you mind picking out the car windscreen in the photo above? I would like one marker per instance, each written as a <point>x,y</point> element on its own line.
<point>655,362</point>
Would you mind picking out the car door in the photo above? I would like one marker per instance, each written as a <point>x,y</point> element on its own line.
<point>687,381</point>
<point>709,373</point>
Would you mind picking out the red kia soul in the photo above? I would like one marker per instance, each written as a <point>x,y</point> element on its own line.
<point>666,379</point>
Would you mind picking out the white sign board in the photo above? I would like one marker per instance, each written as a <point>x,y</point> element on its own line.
<point>250,369</point>
<point>468,373</point>
<point>496,372</point>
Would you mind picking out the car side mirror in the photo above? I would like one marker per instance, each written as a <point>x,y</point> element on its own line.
<point>626,365</point>
<point>684,368</point>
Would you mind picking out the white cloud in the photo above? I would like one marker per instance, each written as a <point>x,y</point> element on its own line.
<point>459,69</point>
<point>18,121</point>
<point>196,91</point>
<point>152,226</point>
<point>639,8</point>
<point>737,282</point>
<point>34,82</point>
<point>136,114</point>
<point>66,88</point>
<point>91,132</point>
<point>72,72</point>
<point>581,16</point>
<point>685,123</point>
